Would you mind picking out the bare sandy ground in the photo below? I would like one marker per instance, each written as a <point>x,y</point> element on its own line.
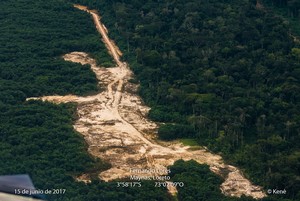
<point>115,126</point>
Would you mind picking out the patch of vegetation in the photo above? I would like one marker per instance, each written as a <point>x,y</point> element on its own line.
<point>199,183</point>
<point>175,131</point>
<point>189,142</point>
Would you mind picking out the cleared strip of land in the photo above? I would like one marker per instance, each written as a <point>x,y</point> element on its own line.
<point>115,126</point>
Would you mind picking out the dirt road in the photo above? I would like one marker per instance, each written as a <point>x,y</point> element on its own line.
<point>115,126</point>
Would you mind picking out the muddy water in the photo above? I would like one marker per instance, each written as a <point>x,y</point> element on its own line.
<point>115,126</point>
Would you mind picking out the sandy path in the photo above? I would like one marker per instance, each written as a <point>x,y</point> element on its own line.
<point>115,126</point>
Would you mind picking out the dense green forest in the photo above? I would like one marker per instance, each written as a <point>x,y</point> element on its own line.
<point>289,9</point>
<point>223,72</point>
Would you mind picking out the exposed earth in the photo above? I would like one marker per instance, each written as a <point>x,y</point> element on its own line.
<point>114,124</point>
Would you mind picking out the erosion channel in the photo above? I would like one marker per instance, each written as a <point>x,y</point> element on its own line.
<point>115,126</point>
